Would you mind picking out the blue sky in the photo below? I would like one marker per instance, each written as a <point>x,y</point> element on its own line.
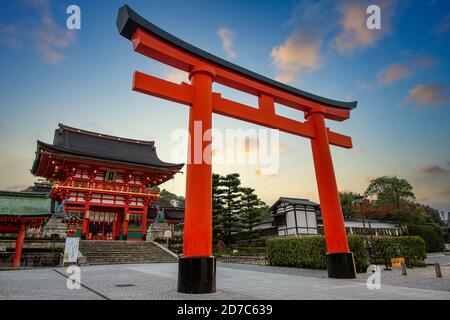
<point>399,75</point>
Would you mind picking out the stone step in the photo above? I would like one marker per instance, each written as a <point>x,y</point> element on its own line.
<point>111,260</point>
<point>129,262</point>
<point>111,252</point>
<point>142,256</point>
<point>121,251</point>
<point>94,261</point>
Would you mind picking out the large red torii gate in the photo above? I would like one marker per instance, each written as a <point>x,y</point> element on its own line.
<point>196,273</point>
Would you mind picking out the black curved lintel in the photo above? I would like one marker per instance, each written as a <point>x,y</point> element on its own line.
<point>128,21</point>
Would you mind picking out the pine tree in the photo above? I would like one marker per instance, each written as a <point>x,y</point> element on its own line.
<point>252,210</point>
<point>230,188</point>
<point>217,208</point>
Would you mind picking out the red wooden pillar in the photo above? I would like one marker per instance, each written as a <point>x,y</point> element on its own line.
<point>85,224</point>
<point>339,260</point>
<point>125,224</point>
<point>116,227</point>
<point>19,246</point>
<point>196,272</point>
<point>144,223</point>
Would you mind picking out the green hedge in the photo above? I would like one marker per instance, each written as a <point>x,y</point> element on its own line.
<point>309,252</point>
<point>411,248</point>
<point>432,234</point>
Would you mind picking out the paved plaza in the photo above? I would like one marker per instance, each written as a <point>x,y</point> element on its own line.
<point>234,282</point>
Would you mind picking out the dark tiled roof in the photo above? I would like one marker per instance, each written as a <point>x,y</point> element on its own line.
<point>174,213</point>
<point>170,213</point>
<point>295,201</point>
<point>94,145</point>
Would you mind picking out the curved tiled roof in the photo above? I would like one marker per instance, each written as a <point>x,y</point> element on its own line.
<point>24,204</point>
<point>73,141</point>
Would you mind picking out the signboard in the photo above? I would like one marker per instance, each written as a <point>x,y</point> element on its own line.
<point>397,262</point>
<point>71,249</point>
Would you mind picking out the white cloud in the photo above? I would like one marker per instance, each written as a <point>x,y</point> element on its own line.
<point>428,95</point>
<point>48,37</point>
<point>442,26</point>
<point>176,75</point>
<point>299,52</point>
<point>315,23</point>
<point>397,71</point>
<point>227,36</point>
<point>355,34</point>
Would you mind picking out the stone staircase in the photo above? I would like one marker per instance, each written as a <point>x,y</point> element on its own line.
<point>116,252</point>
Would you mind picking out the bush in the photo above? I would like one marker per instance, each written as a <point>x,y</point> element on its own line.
<point>432,234</point>
<point>310,252</point>
<point>357,246</point>
<point>411,248</point>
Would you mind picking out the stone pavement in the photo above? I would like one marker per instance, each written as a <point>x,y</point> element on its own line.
<point>420,278</point>
<point>441,257</point>
<point>234,282</point>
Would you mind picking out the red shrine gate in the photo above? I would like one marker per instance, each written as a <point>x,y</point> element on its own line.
<point>196,273</point>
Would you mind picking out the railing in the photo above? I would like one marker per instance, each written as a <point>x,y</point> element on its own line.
<point>257,260</point>
<point>107,187</point>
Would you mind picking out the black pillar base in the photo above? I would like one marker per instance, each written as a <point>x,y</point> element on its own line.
<point>197,275</point>
<point>341,265</point>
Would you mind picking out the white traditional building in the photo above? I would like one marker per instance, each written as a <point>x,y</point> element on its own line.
<point>372,227</point>
<point>294,216</point>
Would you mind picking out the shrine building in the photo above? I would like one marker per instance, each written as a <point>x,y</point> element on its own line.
<point>102,181</point>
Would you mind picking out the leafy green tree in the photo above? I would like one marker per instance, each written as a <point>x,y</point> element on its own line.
<point>168,199</point>
<point>390,190</point>
<point>251,214</point>
<point>348,204</point>
<point>420,223</point>
<point>231,197</point>
<point>394,201</point>
<point>434,214</point>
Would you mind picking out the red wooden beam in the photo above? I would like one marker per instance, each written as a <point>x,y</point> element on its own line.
<point>157,87</point>
<point>7,229</point>
<point>264,115</point>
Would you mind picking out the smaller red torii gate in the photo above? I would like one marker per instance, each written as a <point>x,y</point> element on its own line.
<point>18,223</point>
<point>196,273</point>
